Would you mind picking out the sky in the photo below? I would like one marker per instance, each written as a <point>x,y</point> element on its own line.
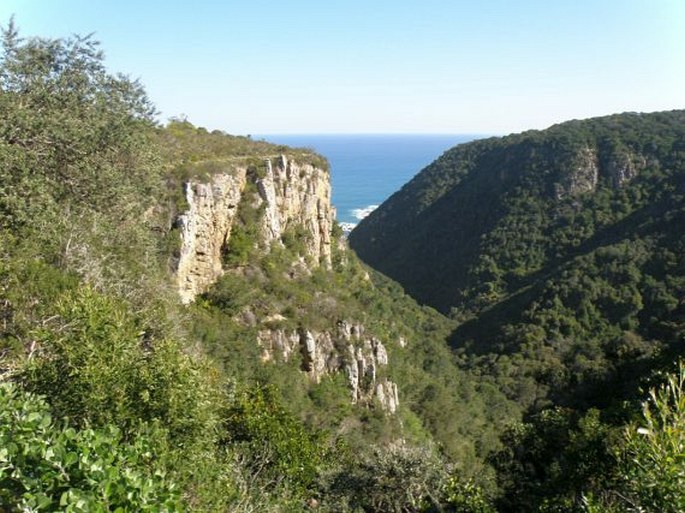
<point>378,66</point>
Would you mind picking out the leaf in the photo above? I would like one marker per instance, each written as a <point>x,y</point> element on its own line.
<point>70,459</point>
<point>45,421</point>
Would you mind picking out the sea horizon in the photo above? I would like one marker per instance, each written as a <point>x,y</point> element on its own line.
<point>367,168</point>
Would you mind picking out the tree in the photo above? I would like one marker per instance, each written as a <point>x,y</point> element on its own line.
<point>48,467</point>
<point>70,132</point>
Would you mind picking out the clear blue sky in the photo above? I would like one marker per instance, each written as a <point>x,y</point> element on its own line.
<point>362,66</point>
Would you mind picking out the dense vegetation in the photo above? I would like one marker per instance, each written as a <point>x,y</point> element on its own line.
<point>560,255</point>
<point>114,397</point>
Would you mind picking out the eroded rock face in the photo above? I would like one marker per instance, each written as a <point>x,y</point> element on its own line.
<point>345,349</point>
<point>623,168</point>
<point>580,175</point>
<point>298,195</point>
<point>386,392</point>
<point>292,195</point>
<point>205,229</point>
<point>589,166</point>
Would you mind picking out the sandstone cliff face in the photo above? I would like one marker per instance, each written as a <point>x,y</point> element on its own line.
<point>291,195</point>
<point>205,229</point>
<point>579,175</point>
<point>345,349</point>
<point>622,168</point>
<point>286,195</point>
<point>585,169</point>
<point>298,195</point>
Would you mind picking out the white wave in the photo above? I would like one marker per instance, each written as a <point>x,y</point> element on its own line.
<point>347,227</point>
<point>361,213</point>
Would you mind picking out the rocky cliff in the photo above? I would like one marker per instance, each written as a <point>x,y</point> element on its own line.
<point>287,195</point>
<point>347,349</point>
<point>205,229</point>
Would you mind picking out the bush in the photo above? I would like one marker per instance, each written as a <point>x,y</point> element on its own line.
<point>464,496</point>
<point>275,447</point>
<point>99,365</point>
<point>47,468</point>
<point>393,479</point>
<point>653,459</point>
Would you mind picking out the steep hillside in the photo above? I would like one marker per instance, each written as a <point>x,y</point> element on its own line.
<point>560,255</point>
<point>277,298</point>
<point>564,242</point>
<point>488,214</point>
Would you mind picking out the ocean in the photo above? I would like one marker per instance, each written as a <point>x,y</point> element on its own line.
<point>367,169</point>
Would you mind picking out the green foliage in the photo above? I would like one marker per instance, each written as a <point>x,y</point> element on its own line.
<point>501,209</point>
<point>554,459</point>
<point>71,132</point>
<point>438,397</point>
<point>559,252</point>
<point>44,467</point>
<point>79,170</point>
<point>185,143</point>
<point>652,470</point>
<point>466,497</point>
<point>277,450</point>
<point>99,366</point>
<point>243,242</point>
<point>27,285</point>
<point>396,479</point>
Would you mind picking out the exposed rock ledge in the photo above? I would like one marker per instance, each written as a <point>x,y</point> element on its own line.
<point>347,350</point>
<point>205,229</point>
<point>581,172</point>
<point>292,194</point>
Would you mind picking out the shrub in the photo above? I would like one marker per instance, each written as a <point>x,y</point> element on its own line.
<point>99,365</point>
<point>464,496</point>
<point>393,479</point>
<point>275,447</point>
<point>44,467</point>
<point>653,459</point>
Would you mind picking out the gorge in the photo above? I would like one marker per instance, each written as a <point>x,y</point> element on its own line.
<point>183,326</point>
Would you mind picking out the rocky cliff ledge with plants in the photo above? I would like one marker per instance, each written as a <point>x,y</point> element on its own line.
<point>286,195</point>
<point>235,217</point>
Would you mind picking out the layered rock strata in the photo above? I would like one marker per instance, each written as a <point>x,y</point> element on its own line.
<point>205,228</point>
<point>346,349</point>
<point>298,195</point>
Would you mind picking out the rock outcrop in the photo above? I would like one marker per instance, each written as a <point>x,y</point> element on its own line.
<point>346,349</point>
<point>292,195</point>
<point>288,196</point>
<point>579,175</point>
<point>205,229</point>
<point>583,172</point>
<point>296,194</point>
<point>624,167</point>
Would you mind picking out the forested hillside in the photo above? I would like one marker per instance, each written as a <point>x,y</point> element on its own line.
<point>560,255</point>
